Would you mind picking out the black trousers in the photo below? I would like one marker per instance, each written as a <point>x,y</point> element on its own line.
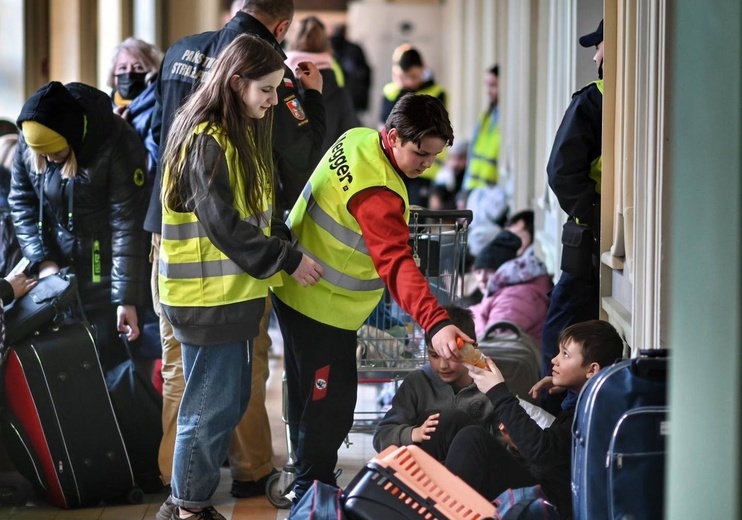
<point>322,385</point>
<point>450,423</point>
<point>479,459</point>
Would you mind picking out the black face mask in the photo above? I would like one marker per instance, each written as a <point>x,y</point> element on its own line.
<point>130,84</point>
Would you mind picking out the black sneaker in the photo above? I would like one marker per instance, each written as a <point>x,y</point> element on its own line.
<point>207,513</point>
<point>251,488</point>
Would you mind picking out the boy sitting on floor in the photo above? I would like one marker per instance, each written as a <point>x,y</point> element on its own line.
<point>436,401</point>
<point>480,459</point>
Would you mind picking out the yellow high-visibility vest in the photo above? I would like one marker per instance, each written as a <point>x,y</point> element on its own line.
<point>324,229</point>
<point>193,271</point>
<point>482,168</point>
<point>596,167</point>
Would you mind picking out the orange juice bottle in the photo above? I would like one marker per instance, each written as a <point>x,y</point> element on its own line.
<point>468,353</point>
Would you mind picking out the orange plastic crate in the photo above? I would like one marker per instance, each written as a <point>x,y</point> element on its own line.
<point>422,487</point>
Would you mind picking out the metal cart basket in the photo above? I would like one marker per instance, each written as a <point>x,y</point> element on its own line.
<point>390,343</point>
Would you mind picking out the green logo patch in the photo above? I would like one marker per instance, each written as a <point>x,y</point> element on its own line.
<point>139,177</point>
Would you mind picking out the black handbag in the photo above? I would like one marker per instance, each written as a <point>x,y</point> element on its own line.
<point>43,306</point>
<point>577,250</point>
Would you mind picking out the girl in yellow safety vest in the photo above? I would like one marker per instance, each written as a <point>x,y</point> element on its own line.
<point>219,253</point>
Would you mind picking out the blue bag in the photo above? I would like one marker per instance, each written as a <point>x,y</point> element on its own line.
<point>527,503</point>
<point>619,438</point>
<point>321,502</point>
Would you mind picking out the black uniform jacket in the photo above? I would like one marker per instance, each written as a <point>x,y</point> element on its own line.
<point>578,143</point>
<point>298,122</point>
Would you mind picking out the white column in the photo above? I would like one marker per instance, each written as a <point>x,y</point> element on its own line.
<point>12,56</point>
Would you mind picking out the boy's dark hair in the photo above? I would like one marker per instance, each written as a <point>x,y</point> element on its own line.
<point>410,58</point>
<point>462,318</point>
<point>495,70</point>
<point>417,116</point>
<point>527,217</point>
<point>274,10</point>
<point>599,340</point>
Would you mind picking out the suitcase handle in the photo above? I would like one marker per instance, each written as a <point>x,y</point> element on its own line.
<point>512,327</point>
<point>651,364</point>
<point>654,353</point>
<point>650,368</point>
<point>127,345</point>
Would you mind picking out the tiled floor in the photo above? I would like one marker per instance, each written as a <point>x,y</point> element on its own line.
<point>351,459</point>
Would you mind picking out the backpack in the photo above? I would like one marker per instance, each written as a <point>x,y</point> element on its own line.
<point>527,503</point>
<point>321,502</point>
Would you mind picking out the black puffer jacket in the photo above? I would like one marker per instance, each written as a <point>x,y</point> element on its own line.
<point>109,203</point>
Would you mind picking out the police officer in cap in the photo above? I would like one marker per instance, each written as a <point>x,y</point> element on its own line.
<point>574,171</point>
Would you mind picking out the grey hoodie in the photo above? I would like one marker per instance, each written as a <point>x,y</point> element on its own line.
<point>420,392</point>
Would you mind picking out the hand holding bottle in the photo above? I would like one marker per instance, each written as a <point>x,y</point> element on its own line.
<point>486,379</point>
<point>470,354</point>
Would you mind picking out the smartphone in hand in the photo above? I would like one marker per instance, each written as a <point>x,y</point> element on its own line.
<point>20,267</point>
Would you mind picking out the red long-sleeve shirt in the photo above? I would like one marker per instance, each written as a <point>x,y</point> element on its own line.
<point>380,214</point>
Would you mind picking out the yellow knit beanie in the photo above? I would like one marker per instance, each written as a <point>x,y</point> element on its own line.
<point>42,139</point>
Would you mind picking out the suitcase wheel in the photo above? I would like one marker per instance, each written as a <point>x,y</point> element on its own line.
<point>275,492</point>
<point>135,496</point>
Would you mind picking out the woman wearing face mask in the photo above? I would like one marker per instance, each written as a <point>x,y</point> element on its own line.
<point>132,77</point>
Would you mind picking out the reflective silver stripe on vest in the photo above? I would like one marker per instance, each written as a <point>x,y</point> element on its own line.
<point>210,269</point>
<point>493,162</point>
<point>488,182</point>
<point>347,236</point>
<point>190,230</point>
<point>339,279</point>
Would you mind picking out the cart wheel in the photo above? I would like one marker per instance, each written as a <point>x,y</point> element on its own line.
<point>135,496</point>
<point>273,492</point>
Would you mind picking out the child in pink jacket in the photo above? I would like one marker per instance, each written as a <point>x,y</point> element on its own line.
<point>516,289</point>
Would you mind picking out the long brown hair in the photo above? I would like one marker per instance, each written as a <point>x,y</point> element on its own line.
<point>217,104</point>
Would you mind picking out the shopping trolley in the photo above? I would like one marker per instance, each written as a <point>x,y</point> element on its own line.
<point>390,343</point>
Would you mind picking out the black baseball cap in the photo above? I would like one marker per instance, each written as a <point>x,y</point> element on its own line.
<point>594,38</point>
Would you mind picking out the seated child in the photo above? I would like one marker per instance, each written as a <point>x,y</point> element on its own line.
<point>480,459</point>
<point>433,403</point>
<point>515,289</point>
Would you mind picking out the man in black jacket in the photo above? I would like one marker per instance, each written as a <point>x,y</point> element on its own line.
<point>574,171</point>
<point>298,132</point>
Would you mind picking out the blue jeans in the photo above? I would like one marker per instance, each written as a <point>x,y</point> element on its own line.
<point>216,396</point>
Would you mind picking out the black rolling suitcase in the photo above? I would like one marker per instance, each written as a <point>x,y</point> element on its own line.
<point>59,426</point>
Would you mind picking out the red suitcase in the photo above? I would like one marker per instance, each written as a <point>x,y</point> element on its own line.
<point>405,482</point>
<point>59,425</point>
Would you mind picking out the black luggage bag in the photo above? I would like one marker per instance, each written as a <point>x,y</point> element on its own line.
<point>516,355</point>
<point>59,426</point>
<point>138,408</point>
